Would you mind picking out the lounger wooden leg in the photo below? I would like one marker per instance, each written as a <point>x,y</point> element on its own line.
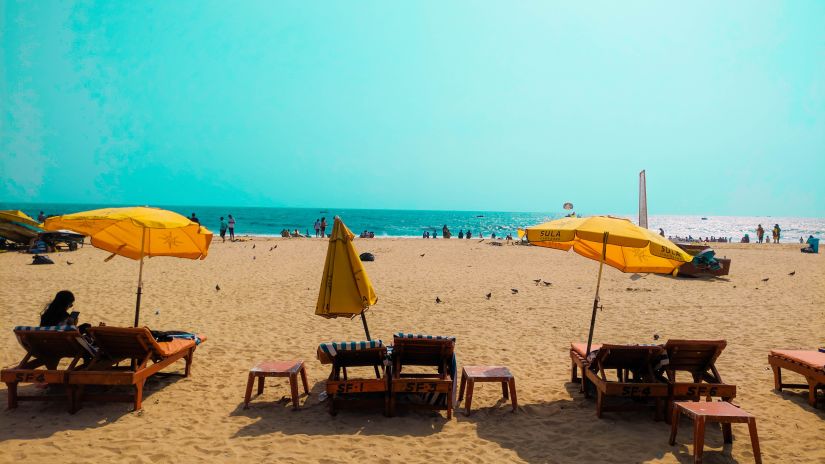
<point>777,378</point>
<point>727,433</point>
<point>461,386</point>
<point>514,399</point>
<point>757,454</point>
<point>504,391</point>
<point>469,401</point>
<point>260,385</point>
<point>139,395</point>
<point>304,379</point>
<point>188,359</point>
<point>12,386</point>
<point>812,392</point>
<point>293,387</point>
<point>450,404</point>
<point>698,439</point>
<point>599,403</point>
<point>72,394</point>
<point>248,396</point>
<point>574,371</point>
<point>674,426</point>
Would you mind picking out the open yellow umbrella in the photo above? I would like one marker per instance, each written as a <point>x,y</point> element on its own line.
<point>346,290</point>
<point>616,242</point>
<point>137,232</point>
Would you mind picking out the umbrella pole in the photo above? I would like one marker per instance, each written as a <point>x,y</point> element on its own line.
<point>367,331</point>
<point>140,278</point>
<point>596,299</point>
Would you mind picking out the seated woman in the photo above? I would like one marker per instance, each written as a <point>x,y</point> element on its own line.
<point>57,312</point>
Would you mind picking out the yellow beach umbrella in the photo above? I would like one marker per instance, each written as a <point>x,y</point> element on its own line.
<point>137,232</point>
<point>18,227</point>
<point>15,215</point>
<point>346,290</point>
<point>616,242</point>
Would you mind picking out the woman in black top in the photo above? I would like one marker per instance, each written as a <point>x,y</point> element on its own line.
<point>57,312</point>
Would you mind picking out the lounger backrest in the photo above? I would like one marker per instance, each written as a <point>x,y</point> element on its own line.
<point>367,357</point>
<point>695,356</point>
<point>125,342</point>
<point>412,350</point>
<point>627,356</point>
<point>55,342</point>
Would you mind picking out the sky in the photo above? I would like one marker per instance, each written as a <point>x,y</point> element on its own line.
<point>495,106</point>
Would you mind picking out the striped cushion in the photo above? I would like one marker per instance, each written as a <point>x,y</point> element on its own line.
<point>423,336</point>
<point>51,328</point>
<point>332,348</point>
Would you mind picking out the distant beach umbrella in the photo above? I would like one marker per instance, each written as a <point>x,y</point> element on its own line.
<point>138,232</point>
<point>616,242</point>
<point>346,290</point>
<point>568,206</point>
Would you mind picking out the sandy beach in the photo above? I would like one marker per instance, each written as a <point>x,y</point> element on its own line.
<point>264,310</point>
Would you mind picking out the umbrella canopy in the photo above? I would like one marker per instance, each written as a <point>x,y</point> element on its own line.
<point>616,242</point>
<point>16,226</point>
<point>137,232</point>
<point>630,248</point>
<point>346,289</point>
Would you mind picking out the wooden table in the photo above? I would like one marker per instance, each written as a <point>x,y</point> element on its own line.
<point>289,369</point>
<point>472,374</point>
<point>722,412</point>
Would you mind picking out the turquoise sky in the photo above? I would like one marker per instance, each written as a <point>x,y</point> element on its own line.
<point>423,105</point>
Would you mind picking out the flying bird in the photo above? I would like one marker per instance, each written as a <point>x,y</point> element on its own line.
<point>514,290</point>
<point>437,300</point>
<point>792,273</point>
<point>217,287</point>
<point>489,295</point>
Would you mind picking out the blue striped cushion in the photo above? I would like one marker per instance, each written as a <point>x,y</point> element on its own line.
<point>51,328</point>
<point>423,336</point>
<point>332,348</point>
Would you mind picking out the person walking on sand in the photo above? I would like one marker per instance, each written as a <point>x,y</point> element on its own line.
<point>223,229</point>
<point>661,232</point>
<point>231,228</point>
<point>323,226</point>
<point>317,227</point>
<point>776,233</point>
<point>760,233</point>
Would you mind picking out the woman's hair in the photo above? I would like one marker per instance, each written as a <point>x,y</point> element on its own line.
<point>61,303</point>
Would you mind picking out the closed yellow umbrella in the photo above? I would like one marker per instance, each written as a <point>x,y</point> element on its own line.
<point>616,242</point>
<point>137,232</point>
<point>18,227</point>
<point>346,290</point>
<point>15,215</point>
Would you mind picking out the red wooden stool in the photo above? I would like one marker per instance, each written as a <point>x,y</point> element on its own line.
<point>722,412</point>
<point>289,369</point>
<point>472,374</point>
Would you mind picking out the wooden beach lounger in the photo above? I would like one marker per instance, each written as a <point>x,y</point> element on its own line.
<point>635,378</point>
<point>142,357</point>
<point>807,363</point>
<point>697,358</point>
<point>431,390</point>
<point>346,392</point>
<point>578,357</point>
<point>45,348</point>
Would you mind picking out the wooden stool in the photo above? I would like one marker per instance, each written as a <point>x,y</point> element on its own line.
<point>472,374</point>
<point>722,412</point>
<point>277,369</point>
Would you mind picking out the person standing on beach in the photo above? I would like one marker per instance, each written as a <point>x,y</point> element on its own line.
<point>231,228</point>
<point>223,229</point>
<point>445,232</point>
<point>41,218</point>
<point>323,226</point>
<point>317,227</point>
<point>661,232</point>
<point>760,233</point>
<point>776,233</point>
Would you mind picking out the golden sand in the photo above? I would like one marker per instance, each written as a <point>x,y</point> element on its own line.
<point>265,307</point>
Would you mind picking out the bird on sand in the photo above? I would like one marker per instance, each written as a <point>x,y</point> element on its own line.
<point>422,255</point>
<point>69,263</point>
<point>546,284</point>
<point>655,336</point>
<point>217,287</point>
<point>792,273</point>
<point>253,246</point>
<point>765,279</point>
<point>514,290</point>
<point>537,281</point>
<point>489,295</point>
<point>437,300</point>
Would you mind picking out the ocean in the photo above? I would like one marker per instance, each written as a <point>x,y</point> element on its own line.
<point>412,223</point>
